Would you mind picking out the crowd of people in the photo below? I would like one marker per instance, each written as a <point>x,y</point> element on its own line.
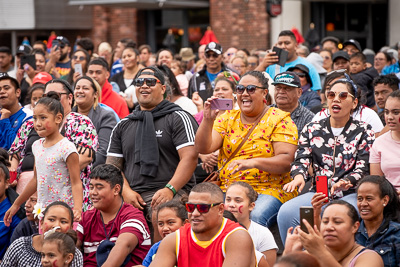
<point>125,157</point>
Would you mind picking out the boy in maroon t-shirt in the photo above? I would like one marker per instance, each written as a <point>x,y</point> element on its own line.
<point>113,220</point>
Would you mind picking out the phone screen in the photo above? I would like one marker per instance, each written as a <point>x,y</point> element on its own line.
<point>306,213</point>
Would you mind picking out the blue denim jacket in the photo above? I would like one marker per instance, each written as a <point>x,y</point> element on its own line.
<point>386,244</point>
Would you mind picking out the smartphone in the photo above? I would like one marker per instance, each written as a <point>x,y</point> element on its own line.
<point>222,104</point>
<point>28,59</point>
<point>13,176</point>
<point>306,213</point>
<point>282,55</point>
<point>321,183</point>
<point>78,68</point>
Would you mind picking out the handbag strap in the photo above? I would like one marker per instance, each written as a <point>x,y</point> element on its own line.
<point>245,138</point>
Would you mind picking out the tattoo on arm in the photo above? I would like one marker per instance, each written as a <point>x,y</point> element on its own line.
<point>116,161</point>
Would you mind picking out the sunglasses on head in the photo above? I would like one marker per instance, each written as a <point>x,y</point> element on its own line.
<point>251,89</point>
<point>202,208</point>
<point>81,58</point>
<point>214,55</point>
<point>149,82</point>
<point>342,95</point>
<point>54,93</point>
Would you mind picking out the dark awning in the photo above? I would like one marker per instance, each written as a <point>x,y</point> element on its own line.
<point>145,4</point>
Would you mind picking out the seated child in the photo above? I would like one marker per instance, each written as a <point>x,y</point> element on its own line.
<point>112,225</point>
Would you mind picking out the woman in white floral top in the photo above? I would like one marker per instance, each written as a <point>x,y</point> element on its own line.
<point>337,147</point>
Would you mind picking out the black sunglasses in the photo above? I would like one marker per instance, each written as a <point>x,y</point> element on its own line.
<point>81,58</point>
<point>202,208</point>
<point>214,55</point>
<point>150,82</point>
<point>251,89</point>
<point>342,95</point>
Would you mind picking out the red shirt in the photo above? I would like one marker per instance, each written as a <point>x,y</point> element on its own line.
<point>190,253</point>
<point>114,100</point>
<point>129,220</point>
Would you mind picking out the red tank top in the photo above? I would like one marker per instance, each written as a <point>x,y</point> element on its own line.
<point>190,253</point>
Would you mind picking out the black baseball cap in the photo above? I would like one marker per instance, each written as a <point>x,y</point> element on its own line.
<point>288,78</point>
<point>353,42</point>
<point>340,54</point>
<point>215,47</point>
<point>24,49</point>
<point>304,69</point>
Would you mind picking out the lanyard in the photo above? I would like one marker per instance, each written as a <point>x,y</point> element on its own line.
<point>104,226</point>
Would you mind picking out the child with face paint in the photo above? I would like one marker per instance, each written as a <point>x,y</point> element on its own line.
<point>26,251</point>
<point>56,171</point>
<point>240,200</point>
<point>171,216</point>
<point>58,249</point>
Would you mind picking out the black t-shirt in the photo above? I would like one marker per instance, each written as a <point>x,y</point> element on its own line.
<point>173,131</point>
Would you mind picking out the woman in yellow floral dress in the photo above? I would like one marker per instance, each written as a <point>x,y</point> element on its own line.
<point>264,160</point>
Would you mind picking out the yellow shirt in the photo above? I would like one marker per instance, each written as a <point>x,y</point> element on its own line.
<point>275,126</point>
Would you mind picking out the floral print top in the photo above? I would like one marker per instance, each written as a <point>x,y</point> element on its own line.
<point>317,144</point>
<point>53,179</point>
<point>78,129</point>
<point>275,126</point>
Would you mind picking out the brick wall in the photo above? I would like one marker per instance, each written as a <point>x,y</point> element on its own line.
<point>112,24</point>
<point>240,23</point>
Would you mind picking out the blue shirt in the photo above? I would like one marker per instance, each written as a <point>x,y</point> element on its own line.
<point>6,232</point>
<point>316,82</point>
<point>9,127</point>
<point>394,68</point>
<point>386,243</point>
<point>211,77</point>
<point>150,255</point>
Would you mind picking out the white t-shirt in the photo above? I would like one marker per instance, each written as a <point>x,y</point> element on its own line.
<point>386,151</point>
<point>363,114</point>
<point>186,104</point>
<point>263,239</point>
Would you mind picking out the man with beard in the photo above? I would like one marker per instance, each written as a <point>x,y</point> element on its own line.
<point>59,63</point>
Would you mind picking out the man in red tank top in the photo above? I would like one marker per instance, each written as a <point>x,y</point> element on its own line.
<point>209,239</point>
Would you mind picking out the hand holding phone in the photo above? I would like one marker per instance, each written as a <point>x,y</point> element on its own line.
<point>306,213</point>
<point>78,68</point>
<point>321,183</point>
<point>222,104</point>
<point>282,55</point>
<point>28,59</point>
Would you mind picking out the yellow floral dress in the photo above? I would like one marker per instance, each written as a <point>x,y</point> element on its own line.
<point>275,126</point>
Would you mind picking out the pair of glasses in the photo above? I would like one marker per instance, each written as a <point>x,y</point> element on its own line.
<point>253,64</point>
<point>81,58</point>
<point>214,55</point>
<point>202,208</point>
<point>251,89</point>
<point>49,94</point>
<point>342,95</point>
<point>300,74</point>
<point>150,82</point>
